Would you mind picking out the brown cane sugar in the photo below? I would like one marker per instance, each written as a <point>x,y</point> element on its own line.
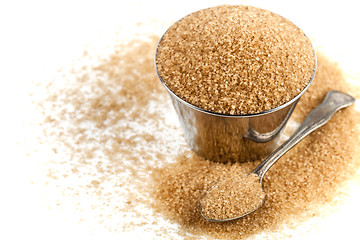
<point>233,197</point>
<point>308,176</point>
<point>235,59</point>
<point>120,166</point>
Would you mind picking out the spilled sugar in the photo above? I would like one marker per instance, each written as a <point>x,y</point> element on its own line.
<point>123,166</point>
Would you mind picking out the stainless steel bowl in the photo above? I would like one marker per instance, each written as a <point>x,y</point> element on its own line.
<point>223,137</point>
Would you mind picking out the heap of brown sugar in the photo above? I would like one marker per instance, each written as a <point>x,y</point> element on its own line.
<point>235,59</point>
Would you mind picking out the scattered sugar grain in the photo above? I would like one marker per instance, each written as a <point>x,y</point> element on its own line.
<point>235,59</point>
<point>99,121</point>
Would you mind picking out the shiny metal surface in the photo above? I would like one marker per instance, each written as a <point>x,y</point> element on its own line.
<point>225,138</point>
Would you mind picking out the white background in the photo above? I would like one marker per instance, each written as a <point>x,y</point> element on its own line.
<point>39,37</point>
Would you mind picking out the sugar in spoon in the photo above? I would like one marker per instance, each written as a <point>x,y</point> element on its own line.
<point>214,207</point>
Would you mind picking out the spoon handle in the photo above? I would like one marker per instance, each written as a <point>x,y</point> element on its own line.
<point>333,101</point>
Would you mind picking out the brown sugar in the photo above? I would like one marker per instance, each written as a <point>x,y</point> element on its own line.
<point>129,169</point>
<point>233,197</point>
<point>235,59</point>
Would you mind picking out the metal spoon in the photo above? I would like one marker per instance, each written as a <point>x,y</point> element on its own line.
<point>333,101</point>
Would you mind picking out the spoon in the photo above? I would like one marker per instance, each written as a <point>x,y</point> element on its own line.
<point>333,101</point>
